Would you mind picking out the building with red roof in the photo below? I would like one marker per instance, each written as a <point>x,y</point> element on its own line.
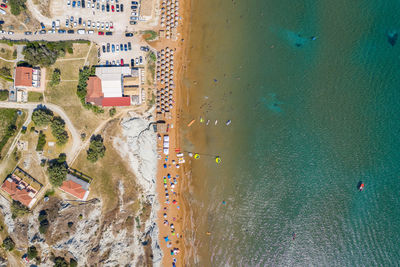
<point>75,187</point>
<point>106,88</point>
<point>23,76</point>
<point>20,190</point>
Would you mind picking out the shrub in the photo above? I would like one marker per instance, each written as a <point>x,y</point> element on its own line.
<point>6,72</point>
<point>17,209</point>
<point>32,129</point>
<point>17,6</point>
<point>42,215</point>
<point>44,226</point>
<point>73,263</point>
<point>57,172</point>
<point>45,53</point>
<point>112,112</point>
<point>60,262</point>
<point>55,77</point>
<point>96,148</point>
<point>42,116</point>
<point>8,243</point>
<point>41,141</point>
<point>32,252</point>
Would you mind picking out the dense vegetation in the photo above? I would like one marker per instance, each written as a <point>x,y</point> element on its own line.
<point>41,141</point>
<point>5,74</point>
<point>58,130</point>
<point>17,209</point>
<point>81,90</point>
<point>46,53</point>
<point>8,243</point>
<point>17,6</point>
<point>42,116</point>
<point>96,148</point>
<point>8,120</point>
<point>55,77</point>
<point>57,170</point>
<point>60,262</point>
<point>3,95</point>
<point>43,222</point>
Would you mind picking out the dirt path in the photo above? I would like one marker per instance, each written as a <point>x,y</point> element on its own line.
<point>36,13</point>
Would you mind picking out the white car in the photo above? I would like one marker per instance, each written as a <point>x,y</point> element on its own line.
<point>134,14</point>
<point>102,25</point>
<point>84,24</point>
<point>107,25</point>
<point>94,25</point>
<point>117,48</point>
<point>98,25</point>
<point>75,23</point>
<point>93,5</point>
<point>68,2</point>
<point>10,33</point>
<point>88,23</point>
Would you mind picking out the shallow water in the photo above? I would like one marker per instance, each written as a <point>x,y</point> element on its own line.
<point>310,119</point>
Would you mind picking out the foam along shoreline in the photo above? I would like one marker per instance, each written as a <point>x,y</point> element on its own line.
<point>138,145</point>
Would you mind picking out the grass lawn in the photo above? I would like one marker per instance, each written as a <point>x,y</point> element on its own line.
<point>80,50</point>
<point>69,69</point>
<point>92,58</point>
<point>8,117</point>
<point>35,96</point>
<point>107,172</point>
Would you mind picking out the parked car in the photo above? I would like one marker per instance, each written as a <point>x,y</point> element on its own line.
<point>61,31</point>
<point>134,7</point>
<point>144,48</point>
<point>73,3</point>
<point>103,8</point>
<point>28,33</point>
<point>128,34</point>
<point>83,3</point>
<point>108,33</point>
<point>132,62</point>
<point>122,61</point>
<point>113,48</point>
<point>78,4</point>
<point>71,31</point>
<point>125,47</point>
<point>101,33</point>
<point>108,47</point>
<point>132,22</point>
<point>108,8</point>
<point>122,7</point>
<point>3,5</point>
<point>104,48</point>
<point>140,59</point>
<point>111,25</point>
<point>117,47</point>
<point>112,8</point>
<point>42,32</point>
<point>135,3</point>
<point>121,46</point>
<point>129,46</point>
<point>80,21</point>
<point>42,25</point>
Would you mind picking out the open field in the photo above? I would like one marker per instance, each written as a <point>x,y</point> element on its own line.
<point>7,51</point>
<point>8,119</point>
<point>80,51</point>
<point>108,171</point>
<point>35,97</point>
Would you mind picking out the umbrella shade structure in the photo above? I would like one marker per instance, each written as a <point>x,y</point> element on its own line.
<point>170,106</point>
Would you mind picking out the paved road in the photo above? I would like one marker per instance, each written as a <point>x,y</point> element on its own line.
<point>76,139</point>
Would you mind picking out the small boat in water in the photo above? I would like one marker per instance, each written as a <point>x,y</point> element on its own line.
<point>208,121</point>
<point>216,121</point>
<point>361,186</point>
<point>228,122</point>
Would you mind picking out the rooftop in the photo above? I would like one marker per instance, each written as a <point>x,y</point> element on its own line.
<point>76,187</point>
<point>23,76</point>
<point>19,190</point>
<point>94,93</point>
<point>116,101</point>
<point>112,80</point>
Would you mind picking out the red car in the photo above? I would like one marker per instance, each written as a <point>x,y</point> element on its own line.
<point>112,8</point>
<point>122,62</point>
<point>3,5</point>
<point>101,33</point>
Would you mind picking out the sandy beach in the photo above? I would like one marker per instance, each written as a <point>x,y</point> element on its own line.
<point>171,177</point>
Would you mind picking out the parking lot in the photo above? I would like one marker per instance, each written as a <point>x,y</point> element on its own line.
<point>117,14</point>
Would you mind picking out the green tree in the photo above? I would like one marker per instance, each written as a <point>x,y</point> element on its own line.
<point>96,148</point>
<point>3,95</point>
<point>42,116</point>
<point>57,172</point>
<point>44,226</point>
<point>41,141</point>
<point>32,252</point>
<point>8,243</point>
<point>43,54</point>
<point>58,130</point>
<point>55,78</point>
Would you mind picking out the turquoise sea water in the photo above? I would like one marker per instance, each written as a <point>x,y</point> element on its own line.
<point>310,119</point>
